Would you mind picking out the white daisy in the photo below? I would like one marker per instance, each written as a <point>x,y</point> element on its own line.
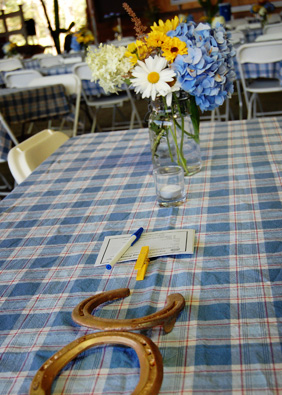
<point>151,77</point>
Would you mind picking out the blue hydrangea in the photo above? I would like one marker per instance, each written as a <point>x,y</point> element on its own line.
<point>206,72</point>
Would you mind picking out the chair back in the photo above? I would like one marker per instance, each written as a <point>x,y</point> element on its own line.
<point>266,52</point>
<point>10,64</point>
<point>25,157</point>
<point>91,91</point>
<point>20,78</point>
<point>71,82</point>
<point>273,18</point>
<point>274,28</point>
<point>82,70</point>
<point>72,86</point>
<point>72,59</point>
<point>260,52</point>
<point>93,98</point>
<point>41,55</point>
<point>50,61</point>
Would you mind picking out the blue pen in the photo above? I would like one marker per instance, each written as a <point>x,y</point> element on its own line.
<point>134,237</point>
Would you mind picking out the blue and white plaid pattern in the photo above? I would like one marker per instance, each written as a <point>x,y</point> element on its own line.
<point>92,88</point>
<point>252,34</point>
<point>265,70</point>
<point>31,63</point>
<point>57,70</point>
<point>34,104</point>
<point>228,338</point>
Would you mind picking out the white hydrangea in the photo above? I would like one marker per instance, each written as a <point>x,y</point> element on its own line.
<point>109,66</point>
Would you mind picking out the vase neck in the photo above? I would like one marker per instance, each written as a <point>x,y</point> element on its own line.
<point>179,105</point>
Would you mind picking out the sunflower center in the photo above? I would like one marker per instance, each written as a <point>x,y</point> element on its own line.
<point>153,77</point>
<point>174,49</point>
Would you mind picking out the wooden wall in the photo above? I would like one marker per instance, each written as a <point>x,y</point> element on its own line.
<point>195,9</point>
<point>166,10</point>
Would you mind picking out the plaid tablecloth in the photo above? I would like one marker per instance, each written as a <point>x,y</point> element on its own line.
<point>57,70</point>
<point>31,104</point>
<point>252,34</point>
<point>27,105</point>
<point>228,338</point>
<point>265,70</point>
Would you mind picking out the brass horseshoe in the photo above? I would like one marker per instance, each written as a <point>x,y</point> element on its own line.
<point>150,359</point>
<point>165,317</point>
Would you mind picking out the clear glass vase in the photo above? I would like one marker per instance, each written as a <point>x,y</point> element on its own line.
<point>174,137</point>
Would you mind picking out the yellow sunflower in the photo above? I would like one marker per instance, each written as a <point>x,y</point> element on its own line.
<point>166,26</point>
<point>156,39</point>
<point>174,47</point>
<point>137,51</point>
<point>142,50</point>
<point>131,53</point>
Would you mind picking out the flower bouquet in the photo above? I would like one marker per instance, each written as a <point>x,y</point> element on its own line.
<point>210,8</point>
<point>10,49</point>
<point>180,67</point>
<point>262,9</point>
<point>84,37</point>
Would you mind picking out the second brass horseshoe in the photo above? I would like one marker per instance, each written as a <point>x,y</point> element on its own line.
<point>165,317</point>
<point>150,359</point>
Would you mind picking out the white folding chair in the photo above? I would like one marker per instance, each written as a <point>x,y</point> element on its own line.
<point>259,53</point>
<point>10,64</point>
<point>20,78</point>
<point>25,157</point>
<point>114,101</point>
<point>72,60</point>
<point>273,27</point>
<point>72,86</point>
<point>41,55</point>
<point>50,61</point>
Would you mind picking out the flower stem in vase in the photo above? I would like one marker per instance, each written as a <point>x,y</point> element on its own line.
<point>170,141</point>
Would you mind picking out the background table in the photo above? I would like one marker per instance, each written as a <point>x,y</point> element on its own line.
<point>31,104</point>
<point>228,338</point>
<point>252,34</point>
<point>264,70</point>
<point>28,105</point>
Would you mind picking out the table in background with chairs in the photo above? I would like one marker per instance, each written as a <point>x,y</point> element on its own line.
<point>91,91</point>
<point>252,57</point>
<point>98,101</point>
<point>34,103</point>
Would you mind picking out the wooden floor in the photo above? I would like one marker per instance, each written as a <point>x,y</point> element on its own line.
<point>270,102</point>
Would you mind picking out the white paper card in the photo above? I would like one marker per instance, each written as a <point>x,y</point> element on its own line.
<point>167,242</point>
